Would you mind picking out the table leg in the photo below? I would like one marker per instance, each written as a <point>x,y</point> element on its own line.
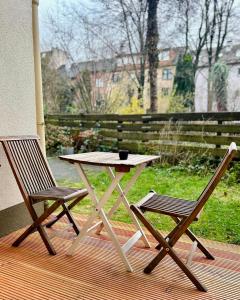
<point>98,205</point>
<point>126,190</point>
<point>99,211</point>
<point>115,240</point>
<point>123,199</point>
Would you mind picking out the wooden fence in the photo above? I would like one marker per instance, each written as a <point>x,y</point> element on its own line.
<point>208,133</point>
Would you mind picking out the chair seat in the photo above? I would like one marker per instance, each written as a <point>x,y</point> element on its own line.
<point>58,193</point>
<point>169,206</point>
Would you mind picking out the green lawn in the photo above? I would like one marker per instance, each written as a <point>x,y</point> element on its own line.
<point>219,221</point>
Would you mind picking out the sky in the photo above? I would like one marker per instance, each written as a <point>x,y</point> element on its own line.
<point>51,5</point>
<point>46,6</point>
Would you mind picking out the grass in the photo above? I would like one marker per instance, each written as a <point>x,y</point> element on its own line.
<point>220,219</point>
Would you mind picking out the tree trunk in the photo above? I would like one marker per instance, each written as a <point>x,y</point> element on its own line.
<point>210,93</point>
<point>141,84</point>
<point>152,50</point>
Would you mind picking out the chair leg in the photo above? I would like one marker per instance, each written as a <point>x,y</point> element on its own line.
<point>71,219</point>
<point>38,223</point>
<point>179,262</point>
<point>192,236</point>
<point>156,235</point>
<point>66,210</point>
<point>46,240</point>
<point>24,235</point>
<point>153,263</point>
<point>43,235</point>
<point>200,245</point>
<point>166,249</point>
<point>187,271</point>
<point>168,237</point>
<point>37,226</point>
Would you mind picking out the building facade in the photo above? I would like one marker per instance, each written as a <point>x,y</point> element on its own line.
<point>231,57</point>
<point>115,78</point>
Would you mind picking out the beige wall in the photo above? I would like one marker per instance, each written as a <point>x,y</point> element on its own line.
<point>17,104</point>
<point>163,101</point>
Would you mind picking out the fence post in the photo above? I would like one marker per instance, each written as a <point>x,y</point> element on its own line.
<point>119,129</point>
<point>219,133</point>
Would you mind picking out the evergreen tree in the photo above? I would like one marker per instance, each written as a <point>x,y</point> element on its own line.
<point>184,80</point>
<point>219,79</point>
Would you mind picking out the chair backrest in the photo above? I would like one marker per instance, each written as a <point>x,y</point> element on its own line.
<point>216,177</point>
<point>28,164</point>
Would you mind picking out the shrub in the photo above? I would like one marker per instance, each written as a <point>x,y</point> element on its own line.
<point>84,140</point>
<point>56,138</point>
<point>234,173</point>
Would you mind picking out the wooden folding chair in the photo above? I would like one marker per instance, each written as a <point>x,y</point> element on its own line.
<point>183,212</point>
<point>36,183</point>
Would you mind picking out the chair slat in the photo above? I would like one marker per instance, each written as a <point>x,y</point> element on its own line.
<point>31,170</point>
<point>169,205</point>
<point>43,164</point>
<point>39,179</point>
<point>216,177</point>
<point>24,166</point>
<point>17,158</point>
<point>30,164</point>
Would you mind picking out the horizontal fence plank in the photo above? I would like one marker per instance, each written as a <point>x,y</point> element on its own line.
<point>214,116</point>
<point>159,127</point>
<point>216,140</point>
<point>177,149</point>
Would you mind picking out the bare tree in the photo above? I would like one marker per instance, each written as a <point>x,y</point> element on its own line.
<point>204,24</point>
<point>217,24</point>
<point>191,15</point>
<point>152,50</point>
<point>129,17</point>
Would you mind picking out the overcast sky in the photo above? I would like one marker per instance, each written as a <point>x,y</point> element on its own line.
<point>46,6</point>
<point>52,5</point>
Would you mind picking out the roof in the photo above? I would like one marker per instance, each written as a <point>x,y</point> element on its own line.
<point>230,55</point>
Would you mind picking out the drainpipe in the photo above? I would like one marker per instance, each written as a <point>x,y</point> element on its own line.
<point>38,76</point>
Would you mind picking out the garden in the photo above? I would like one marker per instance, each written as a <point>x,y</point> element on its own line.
<point>184,177</point>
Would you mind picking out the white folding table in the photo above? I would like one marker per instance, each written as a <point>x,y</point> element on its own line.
<point>110,161</point>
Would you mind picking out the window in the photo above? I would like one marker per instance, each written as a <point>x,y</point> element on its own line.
<point>164,55</point>
<point>132,76</point>
<point>116,77</point>
<point>99,101</point>
<point>167,74</point>
<point>119,62</point>
<point>238,53</point>
<point>165,91</point>
<point>125,60</point>
<point>122,61</point>
<point>99,82</point>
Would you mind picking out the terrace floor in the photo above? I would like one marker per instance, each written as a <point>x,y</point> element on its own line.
<point>95,271</point>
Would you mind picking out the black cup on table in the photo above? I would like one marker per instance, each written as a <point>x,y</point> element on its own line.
<point>123,154</point>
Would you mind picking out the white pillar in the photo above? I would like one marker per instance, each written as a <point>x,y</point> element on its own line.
<point>38,76</point>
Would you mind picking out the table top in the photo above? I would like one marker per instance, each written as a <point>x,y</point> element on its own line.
<point>109,159</point>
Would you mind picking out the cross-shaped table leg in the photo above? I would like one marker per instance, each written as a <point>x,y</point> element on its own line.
<point>123,199</point>
<point>98,210</point>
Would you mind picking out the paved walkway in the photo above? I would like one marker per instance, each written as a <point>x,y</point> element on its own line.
<point>63,170</point>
